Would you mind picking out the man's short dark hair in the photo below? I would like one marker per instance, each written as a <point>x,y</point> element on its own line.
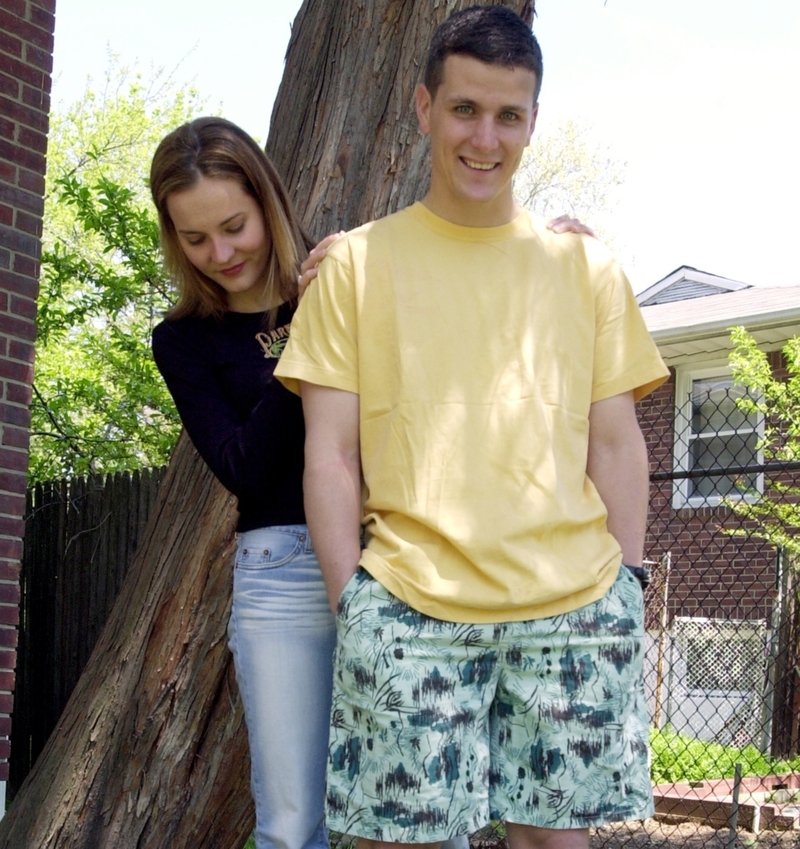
<point>495,35</point>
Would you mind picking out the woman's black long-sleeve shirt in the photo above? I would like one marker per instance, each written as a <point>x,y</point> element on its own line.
<point>245,425</point>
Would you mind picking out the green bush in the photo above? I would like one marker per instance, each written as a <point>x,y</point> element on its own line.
<point>678,757</point>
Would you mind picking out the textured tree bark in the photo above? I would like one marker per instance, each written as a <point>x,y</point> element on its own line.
<point>151,749</point>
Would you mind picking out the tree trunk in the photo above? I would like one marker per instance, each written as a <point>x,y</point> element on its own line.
<point>151,750</point>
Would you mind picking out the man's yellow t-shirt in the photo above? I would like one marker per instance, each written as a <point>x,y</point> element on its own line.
<point>476,354</point>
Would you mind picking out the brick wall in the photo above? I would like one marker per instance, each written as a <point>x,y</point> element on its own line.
<point>713,573</point>
<point>26,59</point>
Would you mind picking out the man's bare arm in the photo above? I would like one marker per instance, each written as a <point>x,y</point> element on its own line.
<point>617,466</point>
<point>332,482</point>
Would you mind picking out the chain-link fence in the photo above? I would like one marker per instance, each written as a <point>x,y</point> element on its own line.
<point>722,668</point>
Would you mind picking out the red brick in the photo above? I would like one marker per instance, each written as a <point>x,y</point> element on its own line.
<point>47,5</point>
<point>7,684</point>
<point>11,527</point>
<point>27,266</point>
<point>8,171</point>
<point>18,393</point>
<point>20,242</point>
<point>40,58</point>
<point>9,86</point>
<point>6,703</point>
<point>18,437</point>
<point>19,327</point>
<point>19,70</point>
<point>21,351</point>
<point>9,592</point>
<point>5,725</point>
<point>5,258</point>
<point>32,181</point>
<point>14,460</point>
<point>12,505</point>
<point>16,371</point>
<point>32,35</point>
<point>4,771</point>
<point>21,155</point>
<point>10,44</point>
<point>34,118</point>
<point>15,483</point>
<point>22,284</point>
<point>29,223</point>
<point>16,7</point>
<point>23,306</point>
<point>9,615</point>
<point>32,139</point>
<point>36,98</point>
<point>8,637</point>
<point>18,197</point>
<point>6,215</point>
<point>43,18</point>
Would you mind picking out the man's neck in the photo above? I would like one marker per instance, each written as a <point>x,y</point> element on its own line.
<point>473,215</point>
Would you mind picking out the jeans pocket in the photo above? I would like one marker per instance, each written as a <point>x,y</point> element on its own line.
<point>268,548</point>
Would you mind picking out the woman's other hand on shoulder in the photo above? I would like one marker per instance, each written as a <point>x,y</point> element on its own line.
<point>310,265</point>
<point>566,224</point>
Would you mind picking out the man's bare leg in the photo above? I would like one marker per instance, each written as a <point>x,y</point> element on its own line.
<point>531,837</point>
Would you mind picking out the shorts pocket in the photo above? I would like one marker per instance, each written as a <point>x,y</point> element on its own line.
<point>348,591</point>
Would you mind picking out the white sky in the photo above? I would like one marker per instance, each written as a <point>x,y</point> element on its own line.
<point>699,97</point>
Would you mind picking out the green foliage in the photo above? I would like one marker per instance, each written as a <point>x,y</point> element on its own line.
<point>776,513</point>
<point>678,757</point>
<point>99,403</point>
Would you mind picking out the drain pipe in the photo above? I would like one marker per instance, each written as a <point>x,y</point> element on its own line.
<point>734,817</point>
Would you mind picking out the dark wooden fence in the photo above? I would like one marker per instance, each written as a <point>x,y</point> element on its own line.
<point>80,536</point>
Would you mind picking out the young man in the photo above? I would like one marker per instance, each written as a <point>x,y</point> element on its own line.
<point>480,373</point>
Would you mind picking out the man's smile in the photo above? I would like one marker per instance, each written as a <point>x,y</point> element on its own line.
<point>479,166</point>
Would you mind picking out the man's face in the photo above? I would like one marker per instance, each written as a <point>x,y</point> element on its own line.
<point>480,121</point>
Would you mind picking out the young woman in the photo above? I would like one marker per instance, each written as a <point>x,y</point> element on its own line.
<point>232,245</point>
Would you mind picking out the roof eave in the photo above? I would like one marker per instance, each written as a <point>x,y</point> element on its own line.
<point>757,321</point>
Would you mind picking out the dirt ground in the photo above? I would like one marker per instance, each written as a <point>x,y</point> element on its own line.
<point>653,834</point>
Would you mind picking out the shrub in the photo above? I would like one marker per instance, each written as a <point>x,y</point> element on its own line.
<point>678,757</point>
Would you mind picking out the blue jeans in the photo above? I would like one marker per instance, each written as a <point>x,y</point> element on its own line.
<point>282,633</point>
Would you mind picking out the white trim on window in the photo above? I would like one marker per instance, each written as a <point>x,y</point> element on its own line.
<point>683,488</point>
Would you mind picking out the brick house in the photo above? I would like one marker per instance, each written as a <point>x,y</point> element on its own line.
<point>724,591</point>
<point>26,59</point>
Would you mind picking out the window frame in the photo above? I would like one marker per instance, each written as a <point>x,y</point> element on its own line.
<point>685,376</point>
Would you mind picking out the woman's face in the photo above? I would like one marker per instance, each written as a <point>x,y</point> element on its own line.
<point>222,231</point>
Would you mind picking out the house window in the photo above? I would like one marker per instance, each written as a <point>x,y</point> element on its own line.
<point>716,442</point>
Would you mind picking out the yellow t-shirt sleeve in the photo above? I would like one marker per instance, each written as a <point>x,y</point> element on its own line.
<point>625,355</point>
<point>322,347</point>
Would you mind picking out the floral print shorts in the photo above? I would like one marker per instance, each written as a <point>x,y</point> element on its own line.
<point>438,727</point>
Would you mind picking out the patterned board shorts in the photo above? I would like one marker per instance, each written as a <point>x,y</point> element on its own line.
<point>438,727</point>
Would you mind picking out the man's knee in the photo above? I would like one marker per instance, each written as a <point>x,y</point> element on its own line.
<point>531,837</point>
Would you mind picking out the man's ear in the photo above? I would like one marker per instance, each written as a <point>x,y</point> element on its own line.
<point>423,101</point>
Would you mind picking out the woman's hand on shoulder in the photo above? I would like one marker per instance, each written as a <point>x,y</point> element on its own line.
<point>310,265</point>
<point>566,224</point>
